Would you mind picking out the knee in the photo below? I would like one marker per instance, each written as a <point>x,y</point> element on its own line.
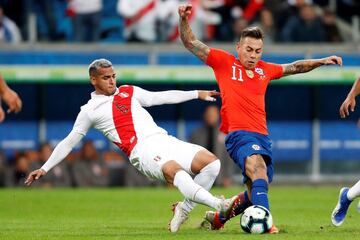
<point>169,170</point>
<point>213,168</point>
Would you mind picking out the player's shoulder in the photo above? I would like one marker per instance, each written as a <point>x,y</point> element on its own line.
<point>221,52</point>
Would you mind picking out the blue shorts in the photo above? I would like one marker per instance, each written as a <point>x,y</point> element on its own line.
<point>242,144</point>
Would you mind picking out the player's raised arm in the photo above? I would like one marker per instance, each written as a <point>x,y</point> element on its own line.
<point>188,38</point>
<point>148,98</point>
<point>304,66</point>
<point>350,101</point>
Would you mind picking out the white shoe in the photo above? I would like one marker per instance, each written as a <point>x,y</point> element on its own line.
<point>179,217</point>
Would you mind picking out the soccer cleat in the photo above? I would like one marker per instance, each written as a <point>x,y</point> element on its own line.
<point>212,221</point>
<point>273,230</point>
<point>339,213</point>
<point>216,220</point>
<point>228,206</point>
<point>179,217</point>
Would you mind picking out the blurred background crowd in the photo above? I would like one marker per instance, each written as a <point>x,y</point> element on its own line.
<point>156,20</point>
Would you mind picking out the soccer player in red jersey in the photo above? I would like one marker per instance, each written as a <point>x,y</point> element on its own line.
<point>243,81</point>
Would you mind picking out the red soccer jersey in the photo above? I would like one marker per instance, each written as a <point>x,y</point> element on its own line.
<point>242,91</point>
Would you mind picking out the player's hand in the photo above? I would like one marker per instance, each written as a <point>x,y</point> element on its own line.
<point>209,96</point>
<point>12,99</point>
<point>34,175</point>
<point>185,10</point>
<point>2,114</point>
<point>348,103</point>
<point>332,60</point>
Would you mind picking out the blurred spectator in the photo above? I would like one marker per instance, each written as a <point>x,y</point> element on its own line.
<point>306,27</point>
<point>18,11</point>
<point>21,169</point>
<point>59,177</point>
<point>200,18</point>
<point>332,33</point>
<point>89,170</point>
<point>86,19</point>
<point>212,139</point>
<point>239,25</point>
<point>285,10</point>
<point>47,9</point>
<point>140,19</point>
<point>9,32</point>
<point>267,25</point>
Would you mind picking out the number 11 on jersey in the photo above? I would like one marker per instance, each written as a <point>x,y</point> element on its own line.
<point>234,74</point>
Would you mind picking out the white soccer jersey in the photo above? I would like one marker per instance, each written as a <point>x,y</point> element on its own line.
<point>120,117</point>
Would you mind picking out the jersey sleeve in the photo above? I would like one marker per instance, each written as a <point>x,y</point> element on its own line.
<point>216,57</point>
<point>82,122</point>
<point>81,127</point>
<point>62,150</point>
<point>275,70</point>
<point>147,98</point>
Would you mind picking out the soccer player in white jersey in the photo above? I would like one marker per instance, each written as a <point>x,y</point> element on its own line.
<point>119,114</point>
<point>347,195</point>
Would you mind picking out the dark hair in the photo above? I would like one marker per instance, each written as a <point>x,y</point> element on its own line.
<point>252,32</point>
<point>98,63</point>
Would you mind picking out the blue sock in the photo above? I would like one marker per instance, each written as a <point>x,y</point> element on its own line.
<point>259,193</point>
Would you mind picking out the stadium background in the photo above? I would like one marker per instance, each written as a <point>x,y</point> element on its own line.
<point>310,141</point>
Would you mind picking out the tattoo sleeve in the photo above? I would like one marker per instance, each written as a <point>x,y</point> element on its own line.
<point>190,42</point>
<point>301,66</point>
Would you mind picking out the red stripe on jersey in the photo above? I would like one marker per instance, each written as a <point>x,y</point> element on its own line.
<point>123,120</point>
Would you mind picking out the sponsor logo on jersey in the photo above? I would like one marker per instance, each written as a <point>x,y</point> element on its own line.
<point>255,147</point>
<point>157,158</point>
<point>123,94</point>
<point>259,71</point>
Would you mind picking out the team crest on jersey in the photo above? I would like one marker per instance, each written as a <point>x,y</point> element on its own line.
<point>259,71</point>
<point>123,94</point>
<point>255,147</point>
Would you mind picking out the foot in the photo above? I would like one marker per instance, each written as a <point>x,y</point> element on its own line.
<point>212,221</point>
<point>339,213</point>
<point>273,230</point>
<point>216,220</point>
<point>228,206</point>
<point>179,217</point>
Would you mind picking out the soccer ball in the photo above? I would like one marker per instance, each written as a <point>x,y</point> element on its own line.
<point>256,219</point>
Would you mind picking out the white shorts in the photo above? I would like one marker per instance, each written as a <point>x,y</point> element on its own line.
<point>149,155</point>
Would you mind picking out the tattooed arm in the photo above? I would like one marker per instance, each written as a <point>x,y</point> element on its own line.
<point>188,38</point>
<point>303,66</point>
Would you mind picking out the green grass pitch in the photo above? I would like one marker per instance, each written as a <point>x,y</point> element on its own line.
<point>143,213</point>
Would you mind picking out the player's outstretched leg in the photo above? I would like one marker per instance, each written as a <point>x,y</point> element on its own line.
<point>205,178</point>
<point>198,194</point>
<point>339,213</point>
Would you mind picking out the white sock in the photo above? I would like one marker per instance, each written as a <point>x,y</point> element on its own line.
<point>193,191</point>
<point>206,179</point>
<point>354,191</point>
